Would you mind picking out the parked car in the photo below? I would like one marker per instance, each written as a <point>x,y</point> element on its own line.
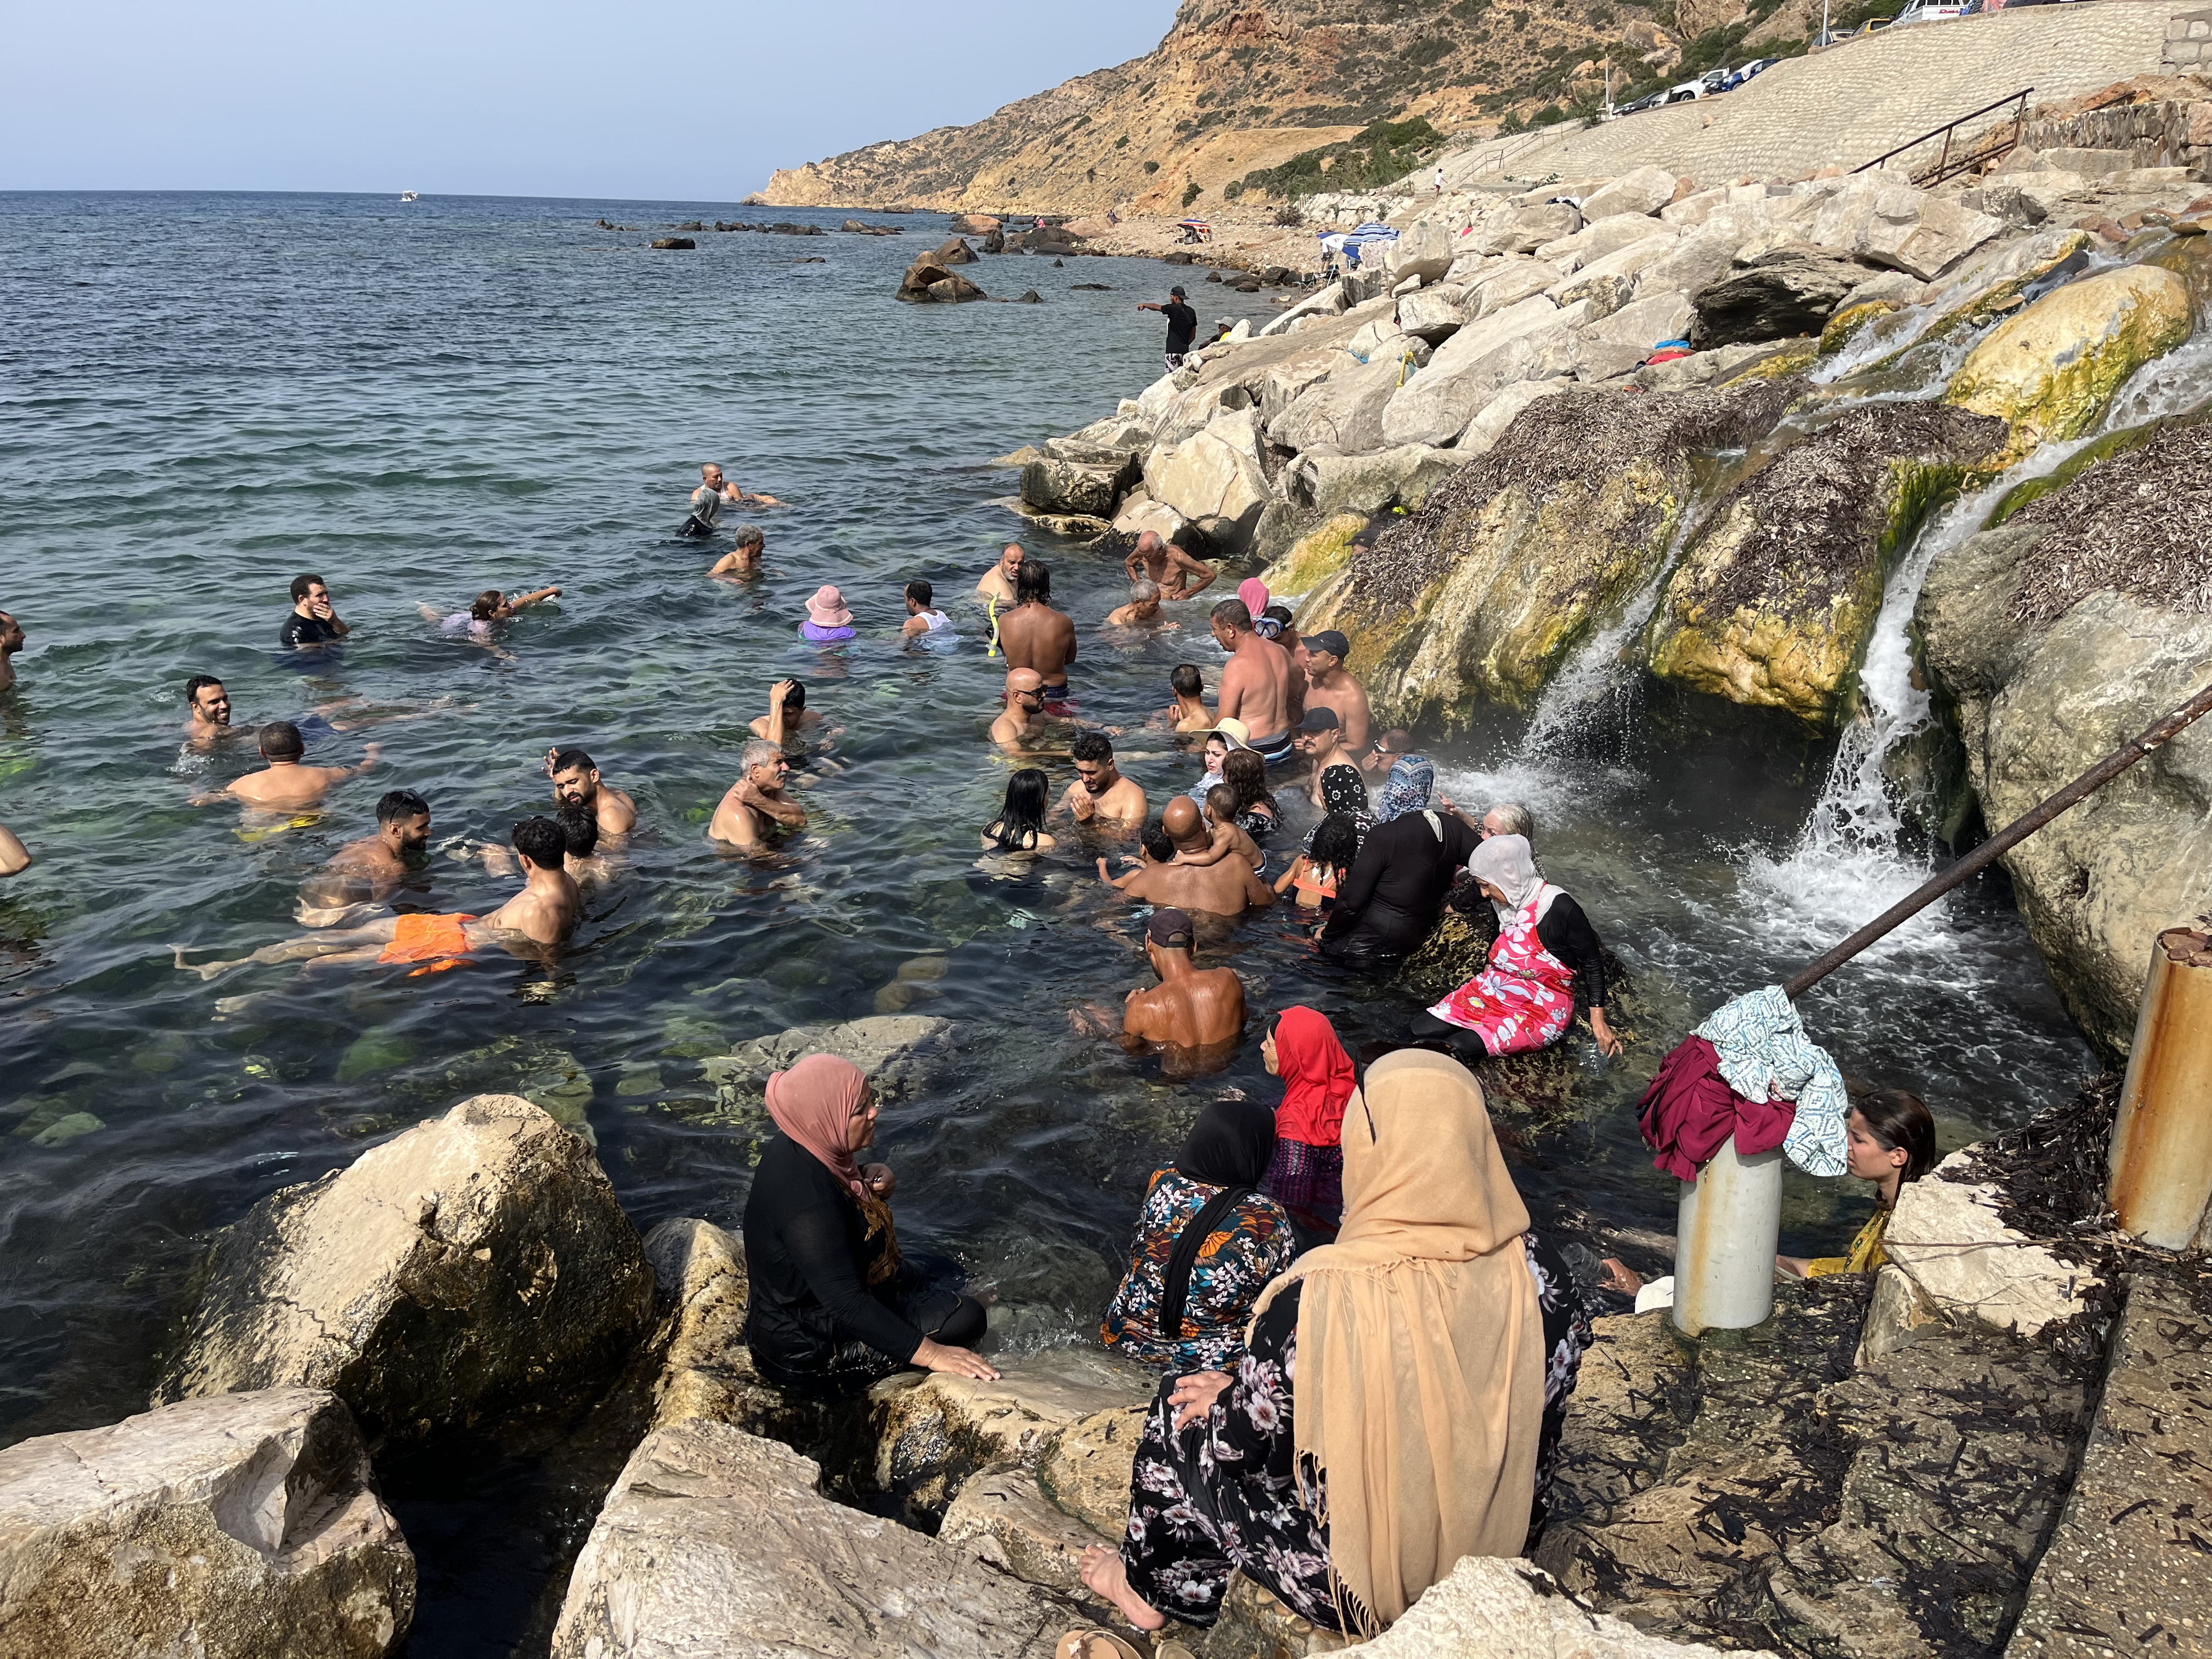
<point>1932,11</point>
<point>1686,91</point>
<point>1743,73</point>
<point>1652,101</point>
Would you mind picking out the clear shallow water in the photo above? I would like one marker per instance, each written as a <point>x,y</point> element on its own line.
<point>202,396</point>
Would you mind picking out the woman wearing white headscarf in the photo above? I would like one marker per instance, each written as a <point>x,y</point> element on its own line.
<point>1391,1412</point>
<point>1546,954</point>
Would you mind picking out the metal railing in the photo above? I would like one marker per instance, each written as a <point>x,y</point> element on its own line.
<point>1495,160</point>
<point>1986,149</point>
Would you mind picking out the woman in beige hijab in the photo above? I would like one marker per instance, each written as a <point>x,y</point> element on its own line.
<point>1387,1418</point>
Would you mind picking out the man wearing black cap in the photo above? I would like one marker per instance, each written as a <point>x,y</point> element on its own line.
<point>1328,686</point>
<point>1182,326</point>
<point>1317,737</point>
<point>1191,1007</point>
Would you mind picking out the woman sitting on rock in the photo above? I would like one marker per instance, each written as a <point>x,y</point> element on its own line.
<point>1391,1414</point>
<point>1892,1140</point>
<point>1208,1240</point>
<point>1386,908</point>
<point>834,1307</point>
<point>1544,953</point>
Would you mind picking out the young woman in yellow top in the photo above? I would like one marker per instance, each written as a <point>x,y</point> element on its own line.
<point>1892,1140</point>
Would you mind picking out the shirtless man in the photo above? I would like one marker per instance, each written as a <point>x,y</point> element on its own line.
<point>998,582</point>
<point>1189,712</point>
<point>1025,708</point>
<point>11,642</point>
<point>1255,684</point>
<point>285,785</point>
<point>756,806</point>
<point>787,714</point>
<point>209,723</point>
<point>15,857</point>
<point>1167,566</point>
<point>1225,889</point>
<point>744,558</point>
<point>1035,635</point>
<point>367,870</point>
<point>579,835</point>
<point>543,913</point>
<point>1143,608</point>
<point>1100,792</point>
<point>1326,683</point>
<point>1318,738</point>
<point>1191,1007</point>
<point>576,783</point>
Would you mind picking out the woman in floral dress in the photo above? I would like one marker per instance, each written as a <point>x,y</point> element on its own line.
<point>1390,1415</point>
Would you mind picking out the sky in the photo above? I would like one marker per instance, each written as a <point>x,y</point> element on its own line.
<point>655,100</point>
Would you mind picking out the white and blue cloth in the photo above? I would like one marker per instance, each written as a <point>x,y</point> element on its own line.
<point>1765,1054</point>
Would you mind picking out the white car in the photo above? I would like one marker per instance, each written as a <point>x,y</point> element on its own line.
<point>1922,11</point>
<point>1686,91</point>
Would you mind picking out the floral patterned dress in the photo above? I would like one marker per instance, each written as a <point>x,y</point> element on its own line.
<point>1252,1246</point>
<point>1525,998</point>
<point>1229,1493</point>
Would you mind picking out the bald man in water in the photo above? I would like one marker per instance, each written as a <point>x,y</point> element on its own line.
<point>285,785</point>
<point>1226,889</point>
<point>1025,708</point>
<point>1191,1007</point>
<point>998,582</point>
<point>1167,566</point>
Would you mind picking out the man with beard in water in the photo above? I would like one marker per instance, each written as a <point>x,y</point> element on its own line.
<point>367,870</point>
<point>998,582</point>
<point>541,915</point>
<point>576,783</point>
<point>1192,1009</point>
<point>211,717</point>
<point>1100,792</point>
<point>1225,889</point>
<point>1255,685</point>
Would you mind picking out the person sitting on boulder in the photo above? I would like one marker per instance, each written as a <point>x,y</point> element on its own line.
<point>835,1305</point>
<point>1207,1243</point>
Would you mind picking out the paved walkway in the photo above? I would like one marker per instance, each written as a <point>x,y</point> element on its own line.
<point>1847,105</point>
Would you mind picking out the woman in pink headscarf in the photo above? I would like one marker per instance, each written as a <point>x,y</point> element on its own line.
<point>835,1306</point>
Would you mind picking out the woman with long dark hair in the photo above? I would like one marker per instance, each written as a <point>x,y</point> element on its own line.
<point>1244,771</point>
<point>1019,827</point>
<point>1891,1141</point>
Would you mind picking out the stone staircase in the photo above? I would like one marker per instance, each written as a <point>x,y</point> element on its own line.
<point>1848,104</point>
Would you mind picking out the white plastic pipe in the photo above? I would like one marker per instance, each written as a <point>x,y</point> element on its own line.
<point>1729,1223</point>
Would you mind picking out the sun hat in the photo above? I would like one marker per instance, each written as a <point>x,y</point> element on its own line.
<point>1238,733</point>
<point>827,609</point>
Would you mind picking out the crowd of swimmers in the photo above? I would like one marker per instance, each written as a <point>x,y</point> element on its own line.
<point>1366,1350</point>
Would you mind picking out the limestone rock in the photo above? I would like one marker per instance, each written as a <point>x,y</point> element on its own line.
<point>1690,265</point>
<point>1366,484</point>
<point>1053,484</point>
<point>1646,190</point>
<point>1619,340</point>
<point>1619,268</point>
<point>1521,229</point>
<point>1434,406</point>
<point>1344,411</point>
<point>1138,513</point>
<point>1002,1517</point>
<point>242,1526</point>
<point>1434,313</point>
<point>1789,291</point>
<point>1980,290</point>
<point>928,281</point>
<point>476,1259</point>
<point>1604,239</point>
<point>1773,605</point>
<point>714,1541</point>
<point>1945,1237</point>
<point>1491,1608</point>
<point>1328,301</point>
<point>973,224</point>
<point>897,1051</point>
<point>932,1433</point>
<point>2051,370</point>
<point>1086,1470</point>
<point>1216,474</point>
<point>1425,250</point>
<point>1877,217</point>
<point>1488,425</point>
<point>1507,282</point>
<point>1316,556</point>
<point>1850,317</point>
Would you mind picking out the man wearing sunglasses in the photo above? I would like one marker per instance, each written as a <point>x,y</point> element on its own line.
<point>1379,759</point>
<point>1025,708</point>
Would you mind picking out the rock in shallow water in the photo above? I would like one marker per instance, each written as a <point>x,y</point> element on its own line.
<point>476,1259</point>
<point>240,1527</point>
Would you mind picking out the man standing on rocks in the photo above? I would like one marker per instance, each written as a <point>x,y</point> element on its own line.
<point>1167,566</point>
<point>1327,684</point>
<point>1191,1007</point>
<point>576,783</point>
<point>1100,793</point>
<point>755,805</point>
<point>1255,685</point>
<point>998,582</point>
<point>1035,635</point>
<point>1182,326</point>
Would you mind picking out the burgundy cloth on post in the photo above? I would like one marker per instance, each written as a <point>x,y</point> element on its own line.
<point>1689,1110</point>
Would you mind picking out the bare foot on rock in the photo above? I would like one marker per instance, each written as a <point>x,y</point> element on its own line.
<point>1108,1578</point>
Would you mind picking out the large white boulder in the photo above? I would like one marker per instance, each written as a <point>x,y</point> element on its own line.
<point>1434,312</point>
<point>1215,474</point>
<point>1491,1608</point>
<point>1880,218</point>
<point>1491,421</point>
<point>1606,236</point>
<point>1690,265</point>
<point>1516,344</point>
<point>1325,302</point>
<point>1344,411</point>
<point>1509,281</point>
<point>1424,249</point>
<point>1947,1236</point>
<point>1366,484</point>
<point>243,1526</point>
<point>1622,340</point>
<point>1518,230</point>
<point>715,1542</point>
<point>477,1259</point>
<point>1614,273</point>
<point>1646,190</point>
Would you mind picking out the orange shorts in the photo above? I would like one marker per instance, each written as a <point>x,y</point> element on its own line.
<point>438,942</point>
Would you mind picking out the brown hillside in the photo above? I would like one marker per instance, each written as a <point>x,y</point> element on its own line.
<point>1244,84</point>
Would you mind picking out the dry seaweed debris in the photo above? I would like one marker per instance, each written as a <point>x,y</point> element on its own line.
<point>2137,523</point>
<point>1582,434</point>
<point>2050,1174</point>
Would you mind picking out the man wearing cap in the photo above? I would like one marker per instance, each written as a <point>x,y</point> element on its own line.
<point>1182,326</point>
<point>1327,684</point>
<point>1226,889</point>
<point>1317,735</point>
<point>1191,1007</point>
<point>1169,566</point>
<point>1255,684</point>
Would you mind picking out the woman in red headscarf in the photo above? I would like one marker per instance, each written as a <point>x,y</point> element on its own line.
<point>835,1306</point>
<point>1307,1175</point>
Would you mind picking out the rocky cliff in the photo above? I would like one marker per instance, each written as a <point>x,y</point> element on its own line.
<point>1238,85</point>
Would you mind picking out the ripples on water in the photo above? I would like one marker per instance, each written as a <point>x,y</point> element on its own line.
<point>202,396</point>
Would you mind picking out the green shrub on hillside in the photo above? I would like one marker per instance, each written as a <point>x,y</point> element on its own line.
<point>1191,192</point>
<point>1384,151</point>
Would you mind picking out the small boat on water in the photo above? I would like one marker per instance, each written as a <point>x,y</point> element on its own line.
<point>408,196</point>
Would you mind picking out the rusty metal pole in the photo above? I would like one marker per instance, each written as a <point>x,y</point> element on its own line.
<point>2161,1158</point>
<point>1726,1230</point>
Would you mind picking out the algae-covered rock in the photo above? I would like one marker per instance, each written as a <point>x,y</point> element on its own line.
<point>1773,603</point>
<point>1506,567</point>
<point>2051,371</point>
<point>1845,325</point>
<point>1316,556</point>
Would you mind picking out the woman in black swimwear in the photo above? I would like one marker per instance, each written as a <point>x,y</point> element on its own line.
<point>1019,827</point>
<point>1245,772</point>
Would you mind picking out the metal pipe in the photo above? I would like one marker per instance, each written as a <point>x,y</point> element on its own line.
<point>1726,1230</point>
<point>2161,1158</point>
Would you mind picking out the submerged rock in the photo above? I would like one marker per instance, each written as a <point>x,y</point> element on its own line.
<point>1483,592</point>
<point>899,1052</point>
<point>476,1259</point>
<point>243,1524</point>
<point>1773,604</point>
<point>927,281</point>
<point>1078,480</point>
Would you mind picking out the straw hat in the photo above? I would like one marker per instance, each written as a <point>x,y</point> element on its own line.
<point>1238,733</point>
<point>827,609</point>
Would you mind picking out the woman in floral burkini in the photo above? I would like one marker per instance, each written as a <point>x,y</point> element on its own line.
<point>1389,1416</point>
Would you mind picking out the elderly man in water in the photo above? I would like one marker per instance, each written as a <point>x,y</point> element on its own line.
<point>367,872</point>
<point>1167,566</point>
<point>541,915</point>
<point>285,785</point>
<point>743,559</point>
<point>998,581</point>
<point>1143,608</point>
<point>577,782</point>
<point>755,807</point>
<point>11,642</point>
<point>1191,1007</point>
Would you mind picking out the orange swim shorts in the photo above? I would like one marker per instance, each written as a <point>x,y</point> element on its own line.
<point>438,942</point>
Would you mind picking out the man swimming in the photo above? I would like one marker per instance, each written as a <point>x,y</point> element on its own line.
<point>1255,684</point>
<point>367,870</point>
<point>756,806</point>
<point>744,558</point>
<point>209,721</point>
<point>487,609</point>
<point>285,785</point>
<point>1144,606</point>
<point>712,495</point>
<point>1191,1007</point>
<point>11,642</point>
<point>921,619</point>
<point>1035,635</point>
<point>313,622</point>
<point>998,582</point>
<point>580,833</point>
<point>576,783</point>
<point>787,714</point>
<point>541,915</point>
<point>1025,708</point>
<point>1168,566</point>
<point>1224,889</point>
<point>1189,712</point>
<point>1100,792</point>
